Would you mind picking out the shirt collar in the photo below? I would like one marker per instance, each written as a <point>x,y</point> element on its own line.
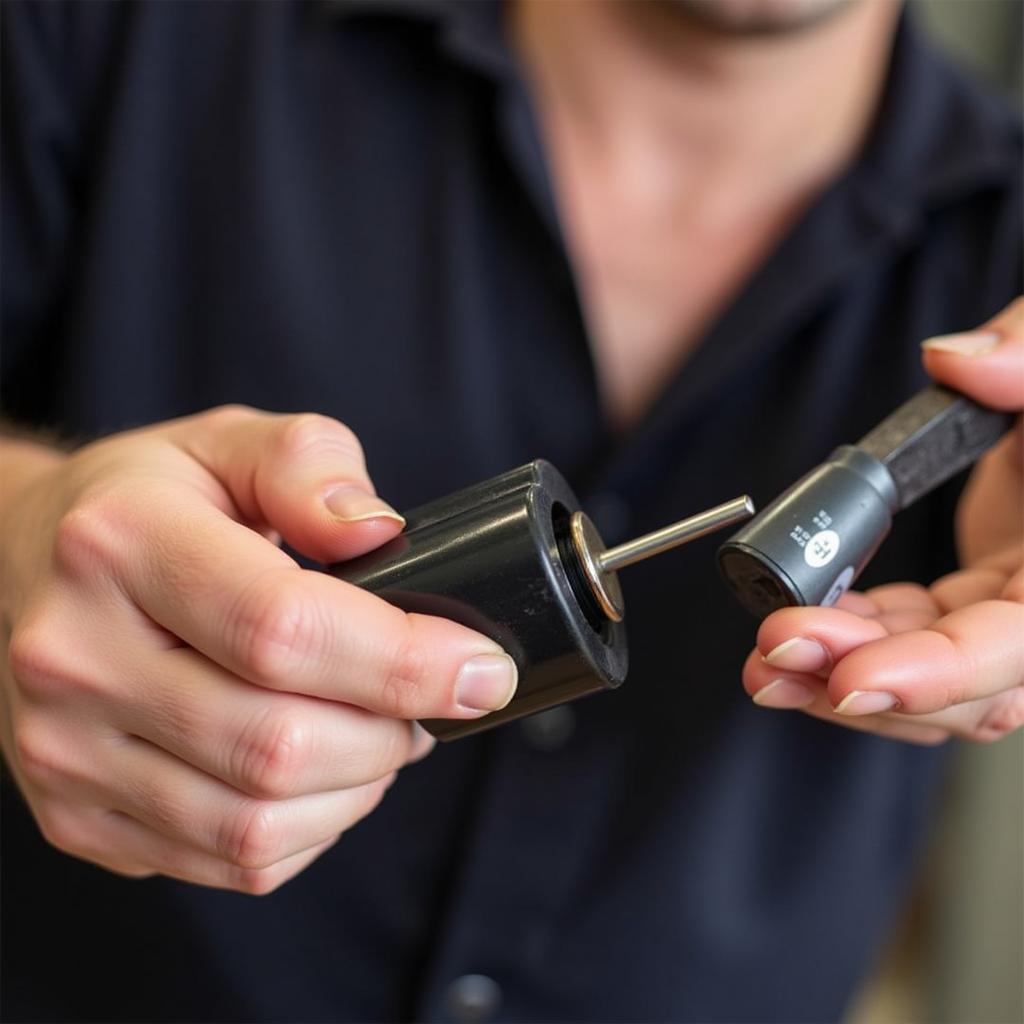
<point>469,31</point>
<point>938,134</point>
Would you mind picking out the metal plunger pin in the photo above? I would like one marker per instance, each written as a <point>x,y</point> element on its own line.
<point>599,564</point>
<point>735,511</point>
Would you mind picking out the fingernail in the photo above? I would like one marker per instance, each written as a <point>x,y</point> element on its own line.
<point>863,702</point>
<point>798,655</point>
<point>783,694</point>
<point>486,682</point>
<point>353,505</point>
<point>974,343</point>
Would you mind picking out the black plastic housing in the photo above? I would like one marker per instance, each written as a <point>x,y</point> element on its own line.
<point>494,558</point>
<point>812,542</point>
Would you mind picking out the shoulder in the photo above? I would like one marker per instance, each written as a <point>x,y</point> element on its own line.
<point>945,158</point>
<point>940,133</point>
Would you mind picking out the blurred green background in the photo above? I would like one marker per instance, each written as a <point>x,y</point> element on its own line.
<point>983,34</point>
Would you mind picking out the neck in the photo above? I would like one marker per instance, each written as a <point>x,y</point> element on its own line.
<point>636,78</point>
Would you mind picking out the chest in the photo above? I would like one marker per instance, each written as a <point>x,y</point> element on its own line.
<point>653,270</point>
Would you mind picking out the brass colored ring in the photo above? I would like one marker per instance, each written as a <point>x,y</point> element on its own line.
<point>605,585</point>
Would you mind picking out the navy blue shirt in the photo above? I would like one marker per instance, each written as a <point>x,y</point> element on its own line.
<point>345,208</point>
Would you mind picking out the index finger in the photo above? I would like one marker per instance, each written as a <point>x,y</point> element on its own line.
<point>813,639</point>
<point>987,364</point>
<point>908,656</point>
<point>244,603</point>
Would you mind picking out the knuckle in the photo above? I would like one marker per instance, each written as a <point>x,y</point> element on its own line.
<point>312,434</point>
<point>30,656</point>
<point>1005,716</point>
<point>272,754</point>
<point>276,628</point>
<point>62,829</point>
<point>403,688</point>
<point>259,881</point>
<point>252,837</point>
<point>228,415</point>
<point>38,749</point>
<point>41,664</point>
<point>92,535</point>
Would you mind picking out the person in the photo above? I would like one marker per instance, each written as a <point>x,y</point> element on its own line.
<point>680,249</point>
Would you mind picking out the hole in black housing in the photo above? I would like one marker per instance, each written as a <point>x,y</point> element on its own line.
<point>596,619</point>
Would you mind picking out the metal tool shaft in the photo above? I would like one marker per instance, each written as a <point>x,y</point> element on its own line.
<point>668,537</point>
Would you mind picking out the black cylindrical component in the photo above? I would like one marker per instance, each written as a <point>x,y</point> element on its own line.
<point>495,557</point>
<point>812,542</point>
<point>931,438</point>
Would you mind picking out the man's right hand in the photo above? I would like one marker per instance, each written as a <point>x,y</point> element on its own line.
<point>179,696</point>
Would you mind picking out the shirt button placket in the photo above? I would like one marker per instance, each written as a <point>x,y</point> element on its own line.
<point>473,999</point>
<point>549,731</point>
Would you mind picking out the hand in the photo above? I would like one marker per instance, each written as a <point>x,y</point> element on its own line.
<point>916,663</point>
<point>180,697</point>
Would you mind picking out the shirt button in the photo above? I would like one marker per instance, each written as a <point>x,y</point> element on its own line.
<point>473,998</point>
<point>549,730</point>
<point>611,515</point>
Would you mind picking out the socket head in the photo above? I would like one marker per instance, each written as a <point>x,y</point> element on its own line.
<point>812,542</point>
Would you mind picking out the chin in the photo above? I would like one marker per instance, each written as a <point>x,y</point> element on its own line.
<point>760,17</point>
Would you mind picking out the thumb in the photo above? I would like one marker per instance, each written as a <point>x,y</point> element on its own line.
<point>987,364</point>
<point>303,475</point>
